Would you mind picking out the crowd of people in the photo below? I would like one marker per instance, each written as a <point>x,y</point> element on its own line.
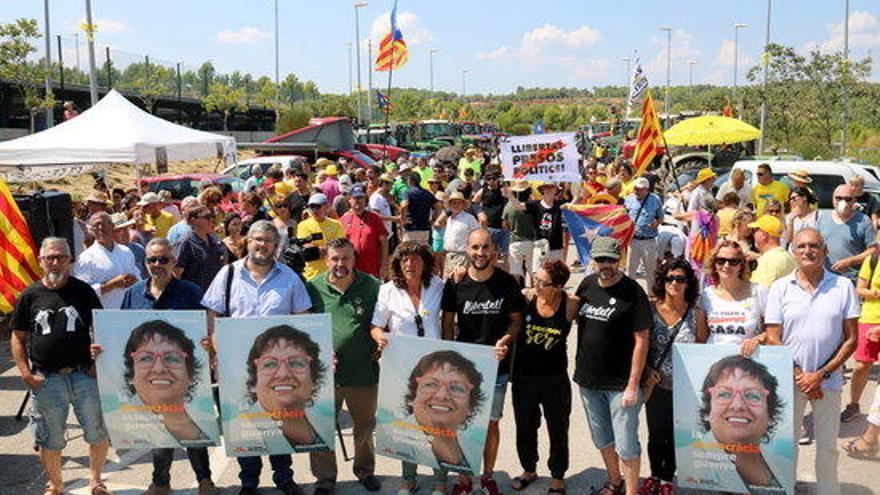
<point>450,250</point>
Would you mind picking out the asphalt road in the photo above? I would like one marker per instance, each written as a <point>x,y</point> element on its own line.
<point>129,472</point>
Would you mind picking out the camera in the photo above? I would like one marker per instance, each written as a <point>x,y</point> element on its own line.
<point>296,255</point>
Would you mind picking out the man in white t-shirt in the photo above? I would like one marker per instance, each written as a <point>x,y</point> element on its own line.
<point>107,266</point>
<point>379,201</point>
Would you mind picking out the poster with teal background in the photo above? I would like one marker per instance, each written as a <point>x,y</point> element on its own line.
<point>435,398</point>
<point>734,419</point>
<point>276,384</point>
<point>154,379</point>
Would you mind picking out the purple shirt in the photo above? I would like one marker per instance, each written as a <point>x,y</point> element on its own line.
<point>330,188</point>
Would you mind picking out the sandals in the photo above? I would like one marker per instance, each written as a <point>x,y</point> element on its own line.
<point>100,489</point>
<point>556,491</point>
<point>610,488</point>
<point>853,451</point>
<point>408,491</point>
<point>521,482</point>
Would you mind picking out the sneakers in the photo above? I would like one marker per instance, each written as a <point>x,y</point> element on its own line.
<point>462,488</point>
<point>666,489</point>
<point>291,488</point>
<point>850,412</point>
<point>806,436</point>
<point>651,486</point>
<point>371,483</point>
<point>154,489</point>
<point>207,487</point>
<point>489,487</point>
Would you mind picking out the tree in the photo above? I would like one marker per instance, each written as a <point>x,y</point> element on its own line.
<point>206,77</point>
<point>225,100</point>
<point>15,46</point>
<point>148,82</point>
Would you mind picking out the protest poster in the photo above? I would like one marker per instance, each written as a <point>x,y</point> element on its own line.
<point>435,398</point>
<point>154,379</point>
<point>543,157</point>
<point>733,416</point>
<point>276,384</point>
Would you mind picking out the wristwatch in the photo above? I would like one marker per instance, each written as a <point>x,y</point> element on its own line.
<point>826,375</point>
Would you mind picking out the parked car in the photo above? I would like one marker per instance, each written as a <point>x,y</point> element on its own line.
<point>183,185</point>
<point>242,169</point>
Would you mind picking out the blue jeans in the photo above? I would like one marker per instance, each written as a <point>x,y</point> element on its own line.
<point>51,403</point>
<point>198,459</point>
<point>249,474</point>
<point>501,238</point>
<point>498,397</point>
<point>611,424</point>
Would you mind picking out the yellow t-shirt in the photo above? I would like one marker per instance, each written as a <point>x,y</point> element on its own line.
<point>627,187</point>
<point>330,228</point>
<point>773,265</point>
<point>725,221</point>
<point>870,308</point>
<point>761,194</point>
<point>161,223</point>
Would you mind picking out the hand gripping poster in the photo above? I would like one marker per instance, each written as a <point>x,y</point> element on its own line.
<point>434,402</point>
<point>276,384</point>
<point>154,379</point>
<point>734,428</point>
<point>544,157</point>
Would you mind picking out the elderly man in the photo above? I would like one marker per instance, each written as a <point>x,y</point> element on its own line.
<point>50,346</point>
<point>177,231</point>
<point>158,220</point>
<point>767,189</point>
<point>349,295</point>
<point>646,210</point>
<point>865,203</point>
<point>255,181</point>
<point>775,262</point>
<point>259,286</point>
<point>200,253</point>
<point>367,233</point>
<point>107,266</point>
<point>736,184</point>
<point>848,233</point>
<point>122,235</point>
<point>815,313</point>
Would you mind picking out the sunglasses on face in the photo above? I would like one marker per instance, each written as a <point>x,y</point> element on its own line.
<point>848,199</point>
<point>728,261</point>
<point>161,260</point>
<point>676,278</point>
<point>52,258</point>
<point>605,261</point>
<point>762,174</point>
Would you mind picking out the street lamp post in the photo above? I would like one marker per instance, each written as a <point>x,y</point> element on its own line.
<point>431,53</point>
<point>90,38</point>
<point>350,80</point>
<point>627,61</point>
<point>666,104</point>
<point>464,83</point>
<point>50,116</point>
<point>843,116</point>
<point>736,28</point>
<point>691,64</point>
<point>765,59</point>
<point>277,79</point>
<point>357,40</point>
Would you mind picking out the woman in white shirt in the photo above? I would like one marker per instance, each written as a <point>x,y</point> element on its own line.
<point>409,304</point>
<point>733,307</point>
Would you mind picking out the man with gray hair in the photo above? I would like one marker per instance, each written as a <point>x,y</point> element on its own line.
<point>255,180</point>
<point>179,230</point>
<point>50,343</point>
<point>106,265</point>
<point>257,285</point>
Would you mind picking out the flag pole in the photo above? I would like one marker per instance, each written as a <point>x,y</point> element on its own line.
<point>388,101</point>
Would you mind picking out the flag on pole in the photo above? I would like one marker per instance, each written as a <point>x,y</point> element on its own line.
<point>18,259</point>
<point>638,82</point>
<point>538,127</point>
<point>728,110</point>
<point>393,53</point>
<point>587,222</point>
<point>650,137</point>
<point>383,102</point>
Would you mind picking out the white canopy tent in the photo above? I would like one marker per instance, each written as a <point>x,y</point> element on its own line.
<point>112,131</point>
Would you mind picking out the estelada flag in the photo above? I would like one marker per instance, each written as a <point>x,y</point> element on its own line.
<point>392,49</point>
<point>650,137</point>
<point>588,222</point>
<point>383,102</point>
<point>18,255</point>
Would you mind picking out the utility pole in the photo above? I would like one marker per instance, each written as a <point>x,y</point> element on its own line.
<point>76,35</point>
<point>90,38</point>
<point>370,80</point>
<point>357,40</point>
<point>50,112</point>
<point>464,83</point>
<point>628,79</point>
<point>666,104</point>
<point>691,64</point>
<point>431,53</point>
<point>765,59</point>
<point>843,116</point>
<point>736,28</point>
<point>60,63</point>
<point>350,80</point>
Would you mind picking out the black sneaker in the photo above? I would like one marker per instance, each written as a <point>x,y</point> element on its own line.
<point>246,490</point>
<point>322,491</point>
<point>850,412</point>
<point>291,488</point>
<point>371,483</point>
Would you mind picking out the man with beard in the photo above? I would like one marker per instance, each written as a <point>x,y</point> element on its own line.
<point>50,346</point>
<point>349,296</point>
<point>106,265</point>
<point>484,307</point>
<point>259,286</point>
<point>613,323</point>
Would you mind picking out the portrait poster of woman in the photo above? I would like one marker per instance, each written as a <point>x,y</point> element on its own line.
<point>434,401</point>
<point>733,417</point>
<point>154,379</point>
<point>276,384</point>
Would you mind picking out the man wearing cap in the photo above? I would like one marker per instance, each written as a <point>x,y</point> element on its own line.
<point>367,234</point>
<point>614,318</point>
<point>97,201</point>
<point>736,184</point>
<point>767,189</point>
<point>107,266</point>
<point>158,220</point>
<point>330,187</point>
<point>416,210</point>
<point>702,192</point>
<point>459,223</point>
<point>646,211</point>
<point>320,225</point>
<point>522,225</point>
<point>121,226</point>
<point>775,261</point>
<point>471,160</point>
<point>849,234</point>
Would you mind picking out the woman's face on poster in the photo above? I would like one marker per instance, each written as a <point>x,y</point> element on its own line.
<point>442,398</point>
<point>738,413</point>
<point>284,377</point>
<point>160,372</point>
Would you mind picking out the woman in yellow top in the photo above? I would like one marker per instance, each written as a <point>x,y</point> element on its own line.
<point>868,288</point>
<point>729,204</point>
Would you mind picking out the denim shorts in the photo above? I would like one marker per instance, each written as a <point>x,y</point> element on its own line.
<point>611,424</point>
<point>51,404</point>
<point>498,397</point>
<point>501,238</point>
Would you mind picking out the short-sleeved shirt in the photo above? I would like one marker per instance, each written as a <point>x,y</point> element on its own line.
<point>698,197</point>
<point>330,229</point>
<point>731,322</point>
<point>365,232</point>
<point>281,292</point>
<point>493,202</point>
<point>162,223</point>
<point>744,193</point>
<point>380,205</point>
<point>178,231</point>
<point>845,240</point>
<point>200,259</point>
<point>773,265</point>
<point>870,307</point>
<point>98,264</point>
<point>651,212</point>
<point>178,294</point>
<point>458,228</point>
<point>761,194</point>
<point>812,324</point>
<point>608,318</point>
<point>352,314</point>
<point>483,309</point>
<point>464,164</point>
<point>330,188</point>
<point>418,210</point>
<point>521,222</point>
<point>395,312</point>
<point>550,224</point>
<point>57,322</point>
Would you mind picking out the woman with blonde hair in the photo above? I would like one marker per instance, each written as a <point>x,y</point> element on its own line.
<point>742,234</point>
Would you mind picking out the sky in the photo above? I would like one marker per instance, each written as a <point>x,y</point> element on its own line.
<point>500,44</point>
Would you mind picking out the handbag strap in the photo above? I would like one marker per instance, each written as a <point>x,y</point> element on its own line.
<point>672,337</point>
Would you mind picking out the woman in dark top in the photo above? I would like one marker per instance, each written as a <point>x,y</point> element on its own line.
<point>233,243</point>
<point>540,375</point>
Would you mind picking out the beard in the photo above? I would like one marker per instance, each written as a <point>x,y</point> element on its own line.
<point>259,259</point>
<point>607,273</point>
<point>341,272</point>
<point>55,278</point>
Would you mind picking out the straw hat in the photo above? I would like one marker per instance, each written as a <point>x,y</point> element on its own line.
<point>520,186</point>
<point>800,176</point>
<point>457,196</point>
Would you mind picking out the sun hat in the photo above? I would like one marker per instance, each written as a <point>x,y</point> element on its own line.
<point>149,198</point>
<point>800,176</point>
<point>769,224</point>
<point>705,174</point>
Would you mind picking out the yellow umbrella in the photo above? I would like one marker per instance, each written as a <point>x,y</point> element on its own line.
<point>710,130</point>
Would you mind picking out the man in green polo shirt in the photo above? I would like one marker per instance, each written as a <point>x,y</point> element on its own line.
<point>349,296</point>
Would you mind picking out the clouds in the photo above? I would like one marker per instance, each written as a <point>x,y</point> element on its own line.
<point>496,54</point>
<point>684,48</point>
<point>107,26</point>
<point>246,35</point>
<point>414,33</point>
<point>864,33</point>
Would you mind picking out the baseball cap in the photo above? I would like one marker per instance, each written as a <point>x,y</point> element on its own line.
<point>317,199</point>
<point>357,191</point>
<point>641,183</point>
<point>605,247</point>
<point>149,199</point>
<point>769,224</point>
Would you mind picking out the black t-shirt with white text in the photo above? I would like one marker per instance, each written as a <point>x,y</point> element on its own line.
<point>58,324</point>
<point>607,319</point>
<point>483,309</point>
<point>550,224</point>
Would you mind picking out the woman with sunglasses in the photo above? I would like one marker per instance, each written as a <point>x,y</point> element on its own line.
<point>733,307</point>
<point>540,375</point>
<point>676,319</point>
<point>409,304</point>
<point>802,214</point>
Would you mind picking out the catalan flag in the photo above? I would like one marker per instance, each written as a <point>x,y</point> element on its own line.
<point>587,222</point>
<point>650,137</point>
<point>392,49</point>
<point>18,260</point>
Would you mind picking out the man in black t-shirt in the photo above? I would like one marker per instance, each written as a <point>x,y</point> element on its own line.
<point>485,307</point>
<point>493,201</point>
<point>614,318</point>
<point>550,226</point>
<point>50,345</point>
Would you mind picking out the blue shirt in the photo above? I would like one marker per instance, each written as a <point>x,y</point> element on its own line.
<point>140,255</point>
<point>178,231</point>
<point>200,259</point>
<point>178,294</point>
<point>651,212</point>
<point>845,240</point>
<point>282,292</point>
